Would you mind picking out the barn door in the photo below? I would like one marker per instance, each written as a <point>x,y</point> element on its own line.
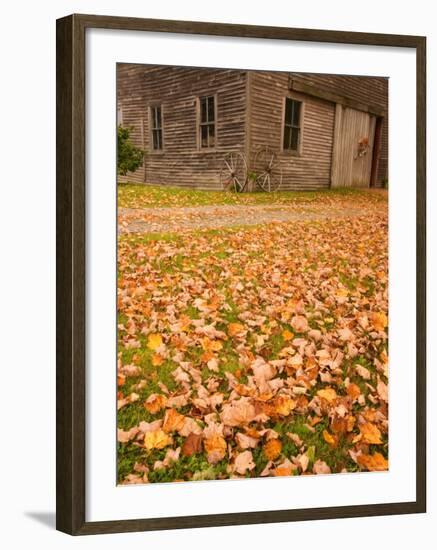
<point>354,136</point>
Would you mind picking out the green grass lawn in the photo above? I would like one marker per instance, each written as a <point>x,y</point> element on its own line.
<point>146,196</point>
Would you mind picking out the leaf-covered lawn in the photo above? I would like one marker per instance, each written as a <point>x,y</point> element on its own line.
<point>141,196</point>
<point>258,351</point>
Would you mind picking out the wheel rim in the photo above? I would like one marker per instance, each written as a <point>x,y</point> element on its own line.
<point>233,172</point>
<point>269,171</point>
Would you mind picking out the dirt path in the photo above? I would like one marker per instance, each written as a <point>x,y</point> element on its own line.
<point>161,220</point>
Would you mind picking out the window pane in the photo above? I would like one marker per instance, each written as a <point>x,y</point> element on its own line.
<point>203,109</point>
<point>158,117</point>
<point>204,136</point>
<point>294,139</point>
<point>157,139</point>
<point>288,107</point>
<point>211,132</point>
<point>211,113</point>
<point>296,113</point>
<point>287,131</point>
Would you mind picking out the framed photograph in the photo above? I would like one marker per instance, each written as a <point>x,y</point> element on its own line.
<point>240,274</point>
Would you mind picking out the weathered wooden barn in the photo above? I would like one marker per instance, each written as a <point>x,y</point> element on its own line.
<point>322,130</point>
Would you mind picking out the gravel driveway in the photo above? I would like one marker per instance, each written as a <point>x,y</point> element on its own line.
<point>161,220</point>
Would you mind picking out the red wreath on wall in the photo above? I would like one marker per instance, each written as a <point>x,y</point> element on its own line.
<point>363,147</point>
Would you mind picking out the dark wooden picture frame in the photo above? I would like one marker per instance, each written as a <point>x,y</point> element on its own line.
<point>71,247</point>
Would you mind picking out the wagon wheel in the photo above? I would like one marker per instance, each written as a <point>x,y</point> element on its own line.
<point>233,172</point>
<point>268,169</point>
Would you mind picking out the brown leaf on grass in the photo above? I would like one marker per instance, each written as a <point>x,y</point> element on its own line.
<point>215,447</point>
<point>212,365</point>
<point>131,398</point>
<point>328,393</point>
<point>245,441</point>
<point>211,345</point>
<point>295,438</point>
<point>178,400</point>
<point>192,445</point>
<point>243,463</point>
<point>302,461</point>
<point>157,439</point>
<point>330,439</point>
<point>373,463</point>
<point>284,469</point>
<point>190,426</point>
<point>155,402</point>
<point>382,390</point>
<point>173,421</point>
<point>130,370</point>
<point>272,449</point>
<point>370,434</point>
<point>171,456</point>
<point>345,334</point>
<point>132,479</point>
<point>181,376</point>
<point>150,426</point>
<point>125,436</point>
<point>157,360</point>
<point>235,329</point>
<point>287,335</point>
<point>282,405</point>
<point>320,467</point>
<point>363,372</point>
<point>300,323</point>
<point>238,413</point>
<point>353,391</point>
<point>154,341</point>
<point>379,320</point>
<point>343,425</point>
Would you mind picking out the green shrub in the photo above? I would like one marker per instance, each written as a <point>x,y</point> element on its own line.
<point>129,157</point>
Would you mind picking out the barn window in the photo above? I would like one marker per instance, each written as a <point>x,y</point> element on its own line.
<point>156,126</point>
<point>292,124</point>
<point>207,121</point>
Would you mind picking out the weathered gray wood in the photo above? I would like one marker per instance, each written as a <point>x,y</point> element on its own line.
<point>350,169</point>
<point>181,161</point>
<point>336,150</point>
<point>310,167</point>
<point>249,109</point>
<point>323,93</point>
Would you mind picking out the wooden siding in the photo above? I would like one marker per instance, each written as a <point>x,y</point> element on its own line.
<point>249,112</point>
<point>311,168</point>
<point>177,89</point>
<point>368,90</point>
<point>349,168</point>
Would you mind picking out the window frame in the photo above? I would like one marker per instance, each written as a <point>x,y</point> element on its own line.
<point>152,107</point>
<point>294,152</point>
<point>199,123</point>
<point>120,115</point>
